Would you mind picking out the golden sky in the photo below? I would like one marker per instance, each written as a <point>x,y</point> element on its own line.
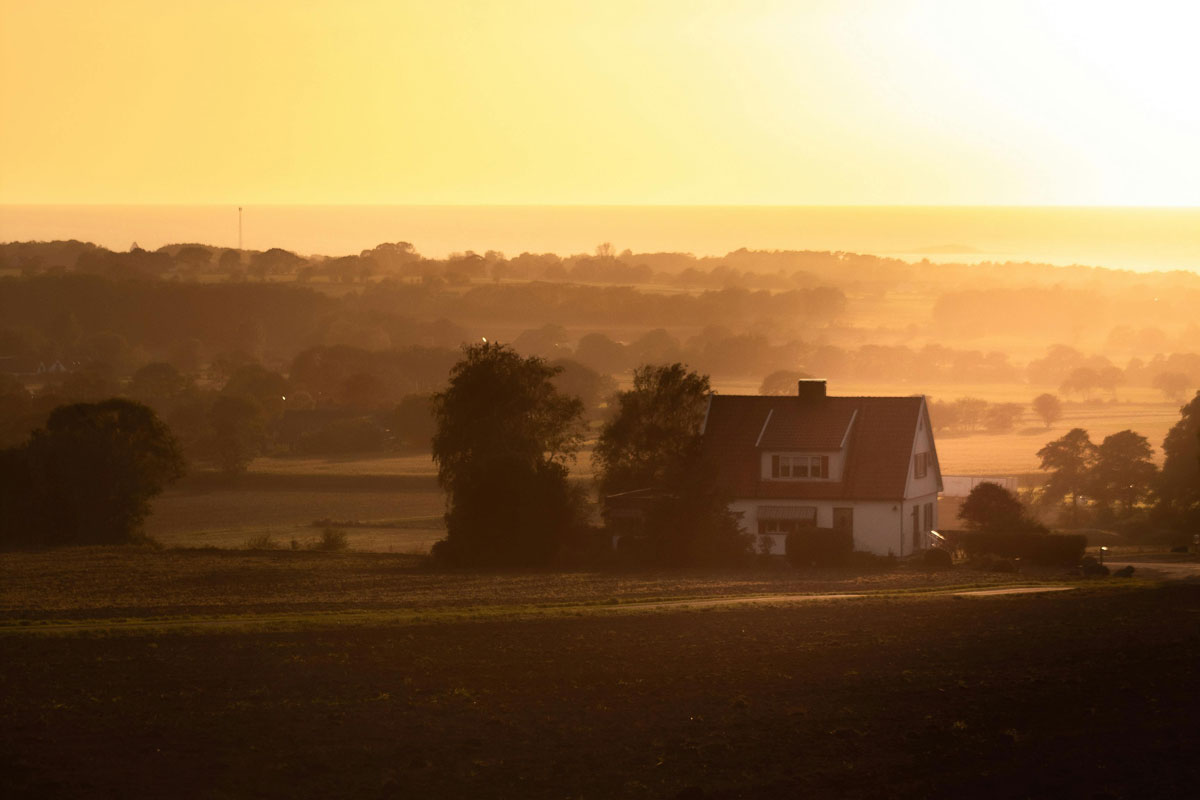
<point>558,101</point>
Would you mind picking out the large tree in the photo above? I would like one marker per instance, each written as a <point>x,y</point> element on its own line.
<point>503,439</point>
<point>1179,482</point>
<point>1124,471</point>
<point>991,507</point>
<point>654,431</point>
<point>1069,459</point>
<point>88,476</point>
<point>237,433</point>
<point>1048,407</point>
<point>653,442</point>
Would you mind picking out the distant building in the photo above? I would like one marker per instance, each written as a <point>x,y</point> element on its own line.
<point>863,464</point>
<point>25,366</point>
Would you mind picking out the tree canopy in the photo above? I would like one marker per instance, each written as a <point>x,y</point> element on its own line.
<point>1048,407</point>
<point>503,438</point>
<point>990,506</point>
<point>1124,471</point>
<point>88,476</point>
<point>655,430</point>
<point>1069,459</point>
<point>1179,483</point>
<point>653,442</point>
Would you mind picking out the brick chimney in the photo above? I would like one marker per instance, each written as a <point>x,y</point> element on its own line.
<point>810,389</point>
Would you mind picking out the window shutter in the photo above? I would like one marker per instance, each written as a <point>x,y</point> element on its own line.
<point>774,466</point>
<point>824,466</point>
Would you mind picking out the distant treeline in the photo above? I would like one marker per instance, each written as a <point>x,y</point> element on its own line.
<point>205,310</point>
<point>82,320</point>
<point>86,318</point>
<point>750,269</point>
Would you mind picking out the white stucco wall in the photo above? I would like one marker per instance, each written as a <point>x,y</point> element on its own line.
<point>877,527</point>
<point>922,443</point>
<point>880,526</point>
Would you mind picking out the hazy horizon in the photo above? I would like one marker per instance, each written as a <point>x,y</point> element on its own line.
<point>1134,238</point>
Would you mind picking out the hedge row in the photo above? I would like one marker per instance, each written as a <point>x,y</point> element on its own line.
<point>1049,549</point>
<point>820,547</point>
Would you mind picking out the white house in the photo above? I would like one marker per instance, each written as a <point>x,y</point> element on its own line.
<point>867,464</point>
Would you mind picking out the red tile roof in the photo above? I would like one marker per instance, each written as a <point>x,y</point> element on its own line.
<point>878,449</point>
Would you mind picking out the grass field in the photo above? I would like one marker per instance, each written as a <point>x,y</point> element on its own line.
<point>142,582</point>
<point>282,498</point>
<point>1084,693</point>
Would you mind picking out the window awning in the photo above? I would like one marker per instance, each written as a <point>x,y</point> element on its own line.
<point>787,512</point>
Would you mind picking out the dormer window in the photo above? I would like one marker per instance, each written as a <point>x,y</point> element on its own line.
<point>793,467</point>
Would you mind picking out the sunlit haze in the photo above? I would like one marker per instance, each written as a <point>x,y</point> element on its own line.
<point>529,102</point>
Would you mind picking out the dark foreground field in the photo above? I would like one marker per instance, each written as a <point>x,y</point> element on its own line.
<point>1085,693</point>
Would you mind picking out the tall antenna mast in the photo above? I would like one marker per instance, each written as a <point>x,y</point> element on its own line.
<point>239,229</point>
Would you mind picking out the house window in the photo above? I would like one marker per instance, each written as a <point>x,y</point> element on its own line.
<point>785,519</point>
<point>920,464</point>
<point>781,526</point>
<point>793,467</point>
<point>843,519</point>
<point>928,517</point>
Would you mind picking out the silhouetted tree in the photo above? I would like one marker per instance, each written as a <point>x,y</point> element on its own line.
<point>230,262</point>
<point>653,442</point>
<point>601,354</point>
<point>991,507</point>
<point>255,382</point>
<point>1179,482</point>
<point>1070,460</point>
<point>88,476</point>
<point>504,435</point>
<point>576,380</point>
<point>1048,407</point>
<point>157,383</point>
<point>1081,381</point>
<point>238,432</point>
<point>1173,385</point>
<point>970,412</point>
<point>655,428</point>
<point>547,341</point>
<point>1124,472</point>
<point>194,258</point>
<point>1002,417</point>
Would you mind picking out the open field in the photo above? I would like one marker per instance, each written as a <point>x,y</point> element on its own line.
<point>84,583</point>
<point>896,696</point>
<point>283,500</point>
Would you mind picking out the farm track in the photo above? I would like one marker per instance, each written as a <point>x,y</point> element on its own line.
<point>404,617</point>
